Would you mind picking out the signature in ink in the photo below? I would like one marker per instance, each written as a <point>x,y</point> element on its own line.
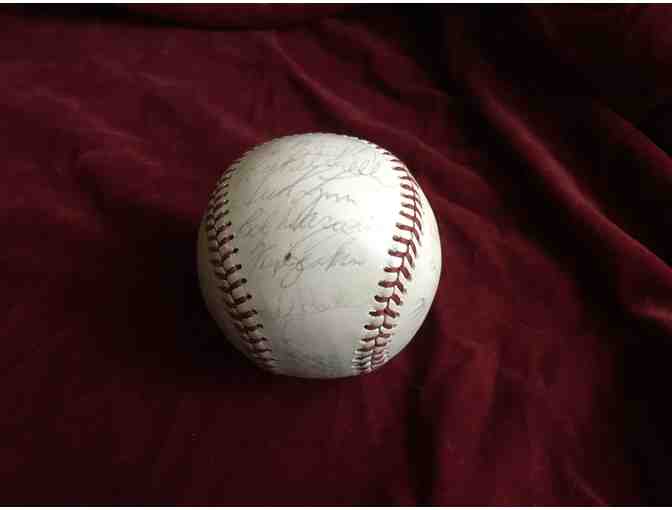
<point>309,253</point>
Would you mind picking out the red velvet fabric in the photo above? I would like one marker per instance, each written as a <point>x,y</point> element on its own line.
<point>542,137</point>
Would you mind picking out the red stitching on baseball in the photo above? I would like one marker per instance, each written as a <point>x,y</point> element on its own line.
<point>403,255</point>
<point>221,214</point>
<point>412,230</point>
<point>384,311</point>
<point>401,269</point>
<point>412,207</point>
<point>373,350</point>
<point>219,235</point>
<point>394,297</point>
<point>415,199</point>
<point>240,300</point>
<point>413,217</point>
<point>396,283</point>
<point>408,242</point>
<point>410,188</point>
<point>239,316</point>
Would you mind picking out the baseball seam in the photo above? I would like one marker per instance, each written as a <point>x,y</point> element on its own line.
<point>373,349</point>
<point>226,270</point>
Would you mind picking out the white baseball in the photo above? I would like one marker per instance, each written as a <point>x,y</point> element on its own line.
<point>319,255</point>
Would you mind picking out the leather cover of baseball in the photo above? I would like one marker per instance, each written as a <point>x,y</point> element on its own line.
<point>319,255</point>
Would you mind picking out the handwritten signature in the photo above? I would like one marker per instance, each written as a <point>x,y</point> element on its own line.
<point>310,169</point>
<point>302,216</point>
<point>308,253</point>
<point>295,196</point>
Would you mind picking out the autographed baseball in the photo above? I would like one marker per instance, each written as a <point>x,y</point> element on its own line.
<point>319,255</point>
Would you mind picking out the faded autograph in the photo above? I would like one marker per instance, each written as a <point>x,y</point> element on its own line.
<point>298,198</point>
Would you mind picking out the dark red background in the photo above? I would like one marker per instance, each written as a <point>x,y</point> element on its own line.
<point>542,137</point>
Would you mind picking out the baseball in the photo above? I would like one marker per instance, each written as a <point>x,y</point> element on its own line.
<point>319,255</point>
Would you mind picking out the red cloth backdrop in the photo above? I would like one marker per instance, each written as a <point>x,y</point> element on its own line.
<point>542,137</point>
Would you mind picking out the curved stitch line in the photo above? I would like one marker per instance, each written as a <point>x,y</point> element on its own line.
<point>372,352</point>
<point>220,235</point>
